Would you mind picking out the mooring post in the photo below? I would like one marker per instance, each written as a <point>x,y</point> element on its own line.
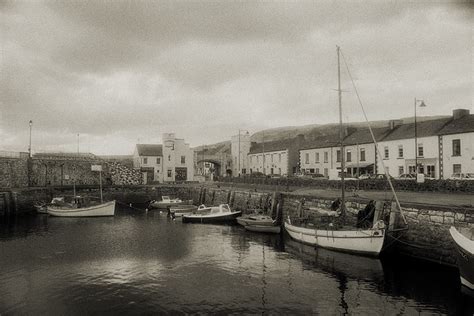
<point>378,211</point>
<point>394,217</point>
<point>232,198</point>
<point>229,195</point>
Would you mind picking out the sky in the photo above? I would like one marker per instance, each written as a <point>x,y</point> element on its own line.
<point>104,75</point>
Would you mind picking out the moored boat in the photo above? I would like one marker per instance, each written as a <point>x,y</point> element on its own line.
<point>180,210</point>
<point>260,220</point>
<point>366,242</point>
<point>273,229</point>
<point>464,243</point>
<point>166,202</point>
<point>81,208</point>
<point>216,214</point>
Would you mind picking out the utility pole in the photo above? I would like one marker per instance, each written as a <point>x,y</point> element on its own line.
<point>263,151</point>
<point>29,146</point>
<point>77,144</point>
<point>238,170</point>
<point>341,129</point>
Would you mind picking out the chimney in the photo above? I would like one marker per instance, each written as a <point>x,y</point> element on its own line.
<point>392,124</point>
<point>349,130</point>
<point>459,113</point>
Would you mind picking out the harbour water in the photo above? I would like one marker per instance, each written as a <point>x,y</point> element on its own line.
<point>143,262</point>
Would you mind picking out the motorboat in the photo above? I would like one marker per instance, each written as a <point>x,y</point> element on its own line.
<point>216,214</point>
<point>167,202</point>
<point>464,242</point>
<point>81,207</point>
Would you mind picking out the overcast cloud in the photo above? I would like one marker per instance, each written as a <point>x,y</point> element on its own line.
<point>119,71</point>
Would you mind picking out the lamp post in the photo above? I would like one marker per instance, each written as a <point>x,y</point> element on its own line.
<point>422,104</point>
<point>78,144</point>
<point>29,146</point>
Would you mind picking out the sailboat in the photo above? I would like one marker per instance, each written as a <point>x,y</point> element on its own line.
<point>80,206</point>
<point>368,241</point>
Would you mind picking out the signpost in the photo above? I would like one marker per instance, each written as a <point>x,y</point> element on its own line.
<point>98,168</point>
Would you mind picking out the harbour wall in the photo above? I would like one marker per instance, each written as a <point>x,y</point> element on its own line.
<point>427,236</point>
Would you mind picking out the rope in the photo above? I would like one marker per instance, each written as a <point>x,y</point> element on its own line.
<point>420,246</point>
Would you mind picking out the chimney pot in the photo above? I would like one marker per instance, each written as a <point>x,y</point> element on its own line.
<point>459,113</point>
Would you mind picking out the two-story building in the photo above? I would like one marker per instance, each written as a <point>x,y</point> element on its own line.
<point>171,161</point>
<point>456,144</point>
<point>275,157</point>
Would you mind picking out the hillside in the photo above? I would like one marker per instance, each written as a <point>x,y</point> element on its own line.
<point>311,131</point>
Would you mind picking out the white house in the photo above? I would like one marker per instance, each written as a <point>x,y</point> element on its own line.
<point>456,144</point>
<point>149,159</point>
<point>172,161</point>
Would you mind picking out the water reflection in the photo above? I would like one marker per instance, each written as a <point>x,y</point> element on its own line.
<point>144,262</point>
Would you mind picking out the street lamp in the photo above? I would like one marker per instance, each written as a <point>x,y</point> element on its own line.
<point>29,146</point>
<point>422,105</point>
<point>240,131</point>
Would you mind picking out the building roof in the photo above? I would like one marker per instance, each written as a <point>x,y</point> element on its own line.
<point>423,129</point>
<point>66,155</point>
<point>276,145</point>
<point>321,142</point>
<point>150,150</point>
<point>464,124</point>
<point>363,136</point>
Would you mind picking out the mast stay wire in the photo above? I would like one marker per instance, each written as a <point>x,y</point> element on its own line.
<point>373,138</point>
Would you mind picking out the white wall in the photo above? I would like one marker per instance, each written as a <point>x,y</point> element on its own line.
<point>394,162</point>
<point>466,159</point>
<point>173,150</point>
<point>244,150</point>
<point>278,160</point>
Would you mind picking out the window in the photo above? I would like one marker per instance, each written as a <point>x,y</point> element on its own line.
<point>316,157</point>
<point>456,147</point>
<point>306,158</point>
<point>362,154</point>
<point>145,161</point>
<point>420,150</point>
<point>158,160</point>
<point>169,173</point>
<point>457,168</point>
<point>326,155</point>
<point>272,161</point>
<point>348,156</point>
<point>271,170</point>
<point>317,170</point>
<point>400,170</point>
<point>183,159</point>
<point>279,157</point>
<point>430,171</point>
<point>326,172</point>
<point>338,156</point>
<point>311,170</point>
<point>169,157</point>
<point>386,152</point>
<point>400,151</point>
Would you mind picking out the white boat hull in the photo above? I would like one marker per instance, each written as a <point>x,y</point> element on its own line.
<point>104,209</point>
<point>368,242</point>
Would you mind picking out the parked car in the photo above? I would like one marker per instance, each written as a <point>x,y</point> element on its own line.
<point>256,175</point>
<point>347,177</point>
<point>317,176</point>
<point>462,176</point>
<point>380,176</point>
<point>364,176</point>
<point>406,176</point>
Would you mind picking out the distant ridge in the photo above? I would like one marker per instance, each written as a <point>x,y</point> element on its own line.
<point>310,131</point>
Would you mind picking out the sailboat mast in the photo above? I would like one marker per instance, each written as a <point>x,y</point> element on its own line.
<point>341,129</point>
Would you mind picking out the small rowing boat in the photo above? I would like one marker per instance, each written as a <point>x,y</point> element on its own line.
<point>274,229</point>
<point>180,210</point>
<point>260,220</point>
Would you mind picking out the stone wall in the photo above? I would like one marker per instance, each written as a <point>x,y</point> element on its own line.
<point>13,172</point>
<point>122,174</point>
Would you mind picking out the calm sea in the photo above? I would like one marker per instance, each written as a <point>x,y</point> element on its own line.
<point>138,262</point>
